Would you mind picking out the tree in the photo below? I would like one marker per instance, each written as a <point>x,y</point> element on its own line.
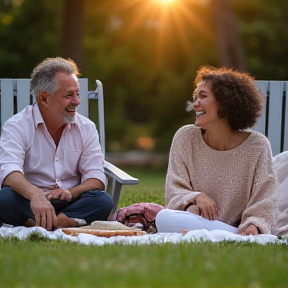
<point>231,52</point>
<point>28,35</point>
<point>72,34</point>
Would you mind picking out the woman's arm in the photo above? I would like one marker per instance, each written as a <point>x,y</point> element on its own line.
<point>261,208</point>
<point>179,194</point>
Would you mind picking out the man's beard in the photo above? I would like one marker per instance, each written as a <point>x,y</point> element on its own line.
<point>68,119</point>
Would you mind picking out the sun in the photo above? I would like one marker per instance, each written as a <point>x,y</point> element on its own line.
<point>164,2</point>
<point>171,22</point>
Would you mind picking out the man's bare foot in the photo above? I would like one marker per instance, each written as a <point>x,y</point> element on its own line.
<point>30,223</point>
<point>64,221</point>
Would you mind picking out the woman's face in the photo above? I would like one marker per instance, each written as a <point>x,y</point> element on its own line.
<point>205,106</point>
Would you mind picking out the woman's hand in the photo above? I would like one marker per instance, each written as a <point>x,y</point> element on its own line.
<point>207,206</point>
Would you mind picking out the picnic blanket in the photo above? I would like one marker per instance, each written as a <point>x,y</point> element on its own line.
<point>21,232</point>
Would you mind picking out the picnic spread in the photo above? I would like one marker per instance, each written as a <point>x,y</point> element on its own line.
<point>84,238</point>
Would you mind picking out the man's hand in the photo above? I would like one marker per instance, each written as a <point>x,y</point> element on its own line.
<point>42,209</point>
<point>207,206</point>
<point>61,194</point>
<point>44,212</point>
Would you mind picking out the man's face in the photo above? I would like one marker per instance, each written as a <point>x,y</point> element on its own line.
<point>62,105</point>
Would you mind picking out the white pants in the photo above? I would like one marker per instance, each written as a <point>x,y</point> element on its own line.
<point>168,220</point>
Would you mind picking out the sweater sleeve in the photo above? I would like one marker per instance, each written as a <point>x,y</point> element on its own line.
<point>179,192</point>
<point>261,207</point>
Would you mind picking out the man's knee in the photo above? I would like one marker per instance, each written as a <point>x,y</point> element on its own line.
<point>8,198</point>
<point>14,209</point>
<point>91,206</point>
<point>103,201</point>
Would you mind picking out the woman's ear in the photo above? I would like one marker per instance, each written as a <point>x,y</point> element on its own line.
<point>222,113</point>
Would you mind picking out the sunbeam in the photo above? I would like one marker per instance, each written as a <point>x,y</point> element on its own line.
<point>171,20</point>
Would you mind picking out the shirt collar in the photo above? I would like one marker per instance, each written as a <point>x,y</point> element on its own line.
<point>38,119</point>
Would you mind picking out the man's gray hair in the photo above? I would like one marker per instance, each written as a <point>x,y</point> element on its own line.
<point>43,75</point>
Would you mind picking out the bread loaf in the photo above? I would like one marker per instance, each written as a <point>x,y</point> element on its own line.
<point>102,233</point>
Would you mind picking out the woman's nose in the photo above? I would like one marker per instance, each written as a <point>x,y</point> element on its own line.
<point>196,102</point>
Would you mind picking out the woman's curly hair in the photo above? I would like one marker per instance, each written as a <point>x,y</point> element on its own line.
<point>239,99</point>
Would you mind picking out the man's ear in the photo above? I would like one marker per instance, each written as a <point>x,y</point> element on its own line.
<point>42,98</point>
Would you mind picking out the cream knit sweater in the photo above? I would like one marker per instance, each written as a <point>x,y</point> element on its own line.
<point>241,181</point>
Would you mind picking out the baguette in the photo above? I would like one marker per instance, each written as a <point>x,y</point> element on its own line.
<point>103,233</point>
<point>109,225</point>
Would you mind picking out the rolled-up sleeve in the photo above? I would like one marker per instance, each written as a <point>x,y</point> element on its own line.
<point>12,152</point>
<point>91,160</point>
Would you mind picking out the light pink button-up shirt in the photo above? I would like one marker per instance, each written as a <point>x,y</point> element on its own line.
<point>27,147</point>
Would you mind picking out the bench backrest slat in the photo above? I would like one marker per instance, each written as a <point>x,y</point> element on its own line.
<point>22,88</point>
<point>285,119</point>
<point>275,115</point>
<point>261,123</point>
<point>83,108</point>
<point>274,120</point>
<point>7,100</point>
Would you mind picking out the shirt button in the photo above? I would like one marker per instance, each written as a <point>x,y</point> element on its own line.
<point>56,159</point>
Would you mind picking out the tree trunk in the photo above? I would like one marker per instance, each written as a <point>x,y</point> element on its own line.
<point>230,46</point>
<point>72,44</point>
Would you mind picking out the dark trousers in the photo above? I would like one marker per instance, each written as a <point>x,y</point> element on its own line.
<point>91,206</point>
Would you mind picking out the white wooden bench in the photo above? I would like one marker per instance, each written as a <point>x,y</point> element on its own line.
<point>15,96</point>
<point>274,120</point>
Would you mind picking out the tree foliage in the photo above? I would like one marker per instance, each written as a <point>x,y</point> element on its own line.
<point>29,32</point>
<point>145,54</point>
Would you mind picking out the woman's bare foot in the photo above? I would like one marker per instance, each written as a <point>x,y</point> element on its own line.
<point>193,209</point>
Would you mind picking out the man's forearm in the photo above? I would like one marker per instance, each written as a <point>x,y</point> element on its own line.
<point>89,184</point>
<point>19,184</point>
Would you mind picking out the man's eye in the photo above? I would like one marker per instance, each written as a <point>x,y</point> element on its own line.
<point>68,96</point>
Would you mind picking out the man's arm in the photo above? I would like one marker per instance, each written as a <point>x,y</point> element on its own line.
<point>40,206</point>
<point>89,184</point>
<point>65,194</point>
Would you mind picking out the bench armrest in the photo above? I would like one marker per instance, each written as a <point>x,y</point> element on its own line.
<point>116,178</point>
<point>119,175</point>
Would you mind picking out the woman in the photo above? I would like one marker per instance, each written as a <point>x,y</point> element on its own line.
<point>220,175</point>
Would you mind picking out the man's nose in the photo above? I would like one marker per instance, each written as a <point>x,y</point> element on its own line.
<point>76,99</point>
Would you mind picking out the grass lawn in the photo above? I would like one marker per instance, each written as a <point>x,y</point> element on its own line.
<point>38,262</point>
<point>150,187</point>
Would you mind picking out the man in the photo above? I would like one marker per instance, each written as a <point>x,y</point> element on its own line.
<point>51,164</point>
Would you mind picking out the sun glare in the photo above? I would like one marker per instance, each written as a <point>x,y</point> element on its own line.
<point>171,20</point>
<point>164,1</point>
